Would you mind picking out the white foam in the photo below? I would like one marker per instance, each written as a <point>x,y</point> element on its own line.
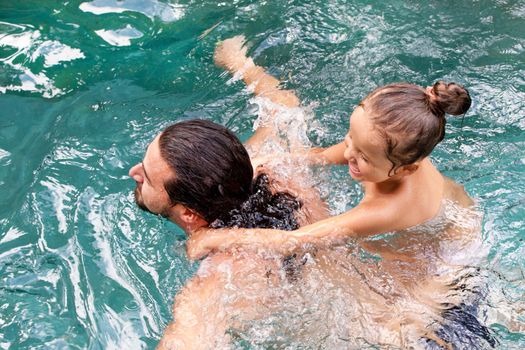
<point>33,83</point>
<point>61,194</point>
<point>291,124</point>
<point>4,154</point>
<point>109,261</point>
<point>20,41</point>
<point>11,234</point>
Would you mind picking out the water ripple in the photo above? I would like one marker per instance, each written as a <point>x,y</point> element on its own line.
<point>150,8</point>
<point>29,47</point>
<point>82,268</point>
<point>119,37</point>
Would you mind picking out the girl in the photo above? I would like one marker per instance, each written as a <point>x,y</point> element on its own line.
<point>392,133</point>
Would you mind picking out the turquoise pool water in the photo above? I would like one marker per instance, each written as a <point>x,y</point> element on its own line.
<point>86,85</point>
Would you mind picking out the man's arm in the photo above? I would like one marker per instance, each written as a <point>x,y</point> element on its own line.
<point>230,54</point>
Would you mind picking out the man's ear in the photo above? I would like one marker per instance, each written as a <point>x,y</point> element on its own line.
<point>189,216</point>
<point>186,218</point>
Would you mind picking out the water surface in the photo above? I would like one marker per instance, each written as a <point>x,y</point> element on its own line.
<point>85,86</point>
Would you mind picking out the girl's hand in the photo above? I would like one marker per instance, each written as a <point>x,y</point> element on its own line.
<point>201,243</point>
<point>230,54</point>
<point>206,240</point>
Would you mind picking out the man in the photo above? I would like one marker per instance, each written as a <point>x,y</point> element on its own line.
<point>194,173</point>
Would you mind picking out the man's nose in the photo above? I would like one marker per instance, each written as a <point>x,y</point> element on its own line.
<point>136,173</point>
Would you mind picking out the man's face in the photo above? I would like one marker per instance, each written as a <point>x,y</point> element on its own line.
<point>150,176</point>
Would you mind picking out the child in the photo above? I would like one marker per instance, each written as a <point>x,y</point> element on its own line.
<point>392,133</point>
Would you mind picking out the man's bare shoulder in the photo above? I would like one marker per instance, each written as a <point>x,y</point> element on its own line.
<point>457,193</point>
<point>234,265</point>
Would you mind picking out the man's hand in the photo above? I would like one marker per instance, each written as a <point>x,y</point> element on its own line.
<point>230,54</point>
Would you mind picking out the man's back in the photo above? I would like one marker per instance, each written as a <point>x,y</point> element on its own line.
<point>231,288</point>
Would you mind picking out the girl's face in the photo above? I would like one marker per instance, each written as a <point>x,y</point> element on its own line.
<point>365,149</point>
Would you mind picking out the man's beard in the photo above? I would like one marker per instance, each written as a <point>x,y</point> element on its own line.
<point>139,201</point>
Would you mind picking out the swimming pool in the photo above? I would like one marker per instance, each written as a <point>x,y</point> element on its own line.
<point>87,84</point>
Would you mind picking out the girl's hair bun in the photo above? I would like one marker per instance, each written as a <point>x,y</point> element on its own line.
<point>449,98</point>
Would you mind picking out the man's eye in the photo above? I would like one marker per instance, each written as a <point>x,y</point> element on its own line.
<point>364,158</point>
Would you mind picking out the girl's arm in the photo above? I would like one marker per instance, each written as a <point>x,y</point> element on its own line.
<point>362,221</point>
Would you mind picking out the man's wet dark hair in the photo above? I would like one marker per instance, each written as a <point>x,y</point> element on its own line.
<point>214,177</point>
<point>263,209</point>
<point>213,172</point>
